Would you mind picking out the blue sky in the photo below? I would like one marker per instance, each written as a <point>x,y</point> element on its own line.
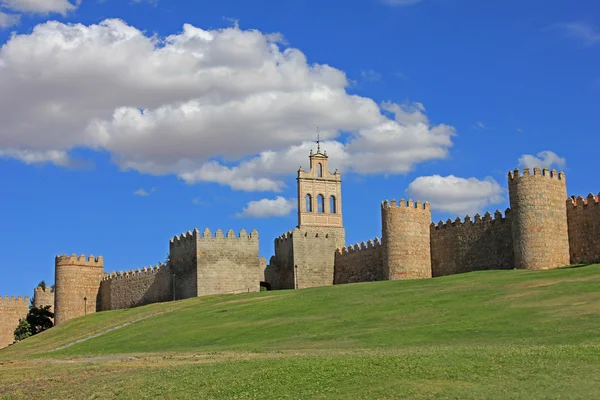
<point>122,126</point>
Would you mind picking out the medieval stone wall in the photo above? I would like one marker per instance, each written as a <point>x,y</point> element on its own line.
<point>280,271</point>
<point>406,237</point>
<point>359,263</point>
<point>314,251</point>
<point>43,297</point>
<point>483,244</point>
<point>184,264</point>
<point>77,286</point>
<point>540,230</point>
<point>129,289</point>
<point>583,216</point>
<point>11,310</point>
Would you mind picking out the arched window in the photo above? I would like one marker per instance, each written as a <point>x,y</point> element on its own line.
<point>321,204</point>
<point>308,203</point>
<point>332,205</point>
<point>320,170</point>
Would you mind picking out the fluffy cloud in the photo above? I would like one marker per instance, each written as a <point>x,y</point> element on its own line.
<point>141,192</point>
<point>8,20</point>
<point>544,159</point>
<point>265,208</point>
<point>456,195</point>
<point>231,106</point>
<point>40,6</point>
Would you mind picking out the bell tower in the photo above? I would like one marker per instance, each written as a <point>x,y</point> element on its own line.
<point>319,194</point>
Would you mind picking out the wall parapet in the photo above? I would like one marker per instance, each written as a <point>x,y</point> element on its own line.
<point>82,260</point>
<point>419,205</point>
<point>580,202</point>
<point>468,221</point>
<point>134,273</point>
<point>537,172</point>
<point>191,236</point>
<point>14,299</point>
<point>368,245</point>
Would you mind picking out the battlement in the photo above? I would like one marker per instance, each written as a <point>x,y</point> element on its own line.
<point>497,218</point>
<point>20,300</point>
<point>418,205</point>
<point>192,236</point>
<point>537,172</point>
<point>370,244</point>
<point>39,289</point>
<point>121,275</point>
<point>583,203</point>
<point>82,260</point>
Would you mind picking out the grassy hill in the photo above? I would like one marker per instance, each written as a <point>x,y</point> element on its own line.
<point>494,334</point>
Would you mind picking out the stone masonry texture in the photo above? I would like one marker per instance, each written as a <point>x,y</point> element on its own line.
<point>43,298</point>
<point>539,214</point>
<point>12,309</point>
<point>583,216</point>
<point>406,238</point>
<point>135,288</point>
<point>77,286</point>
<point>483,244</point>
<point>359,263</point>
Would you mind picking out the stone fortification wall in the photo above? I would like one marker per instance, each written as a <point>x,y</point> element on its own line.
<point>280,271</point>
<point>406,238</point>
<point>228,264</point>
<point>314,255</point>
<point>359,263</point>
<point>483,244</point>
<point>583,216</point>
<point>11,310</point>
<point>43,297</point>
<point>539,212</point>
<point>184,264</point>
<point>136,288</point>
<point>77,278</point>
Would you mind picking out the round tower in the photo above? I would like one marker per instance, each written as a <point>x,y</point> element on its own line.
<point>77,286</point>
<point>406,240</point>
<point>539,227</point>
<point>43,297</point>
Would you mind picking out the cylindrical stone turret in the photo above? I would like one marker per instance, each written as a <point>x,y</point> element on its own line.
<point>540,230</point>
<point>77,286</point>
<point>406,240</point>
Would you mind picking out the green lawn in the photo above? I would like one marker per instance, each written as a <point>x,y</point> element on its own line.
<point>494,334</point>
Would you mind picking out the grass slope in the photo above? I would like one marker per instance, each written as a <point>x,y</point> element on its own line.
<point>494,334</point>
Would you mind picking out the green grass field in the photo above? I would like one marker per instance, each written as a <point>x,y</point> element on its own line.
<point>483,335</point>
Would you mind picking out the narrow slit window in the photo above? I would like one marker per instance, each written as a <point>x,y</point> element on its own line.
<point>332,208</point>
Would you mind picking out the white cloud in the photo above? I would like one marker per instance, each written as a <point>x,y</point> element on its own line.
<point>371,76</point>
<point>266,208</point>
<point>480,126</point>
<point>580,31</point>
<point>230,106</point>
<point>543,159</point>
<point>456,195</point>
<point>8,20</point>
<point>55,157</point>
<point>40,6</point>
<point>400,2</point>
<point>141,192</point>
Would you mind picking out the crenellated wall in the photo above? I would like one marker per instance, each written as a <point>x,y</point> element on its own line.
<point>120,290</point>
<point>43,297</point>
<point>359,263</point>
<point>540,230</point>
<point>206,264</point>
<point>583,217</point>
<point>473,245</point>
<point>280,271</point>
<point>228,264</point>
<point>77,286</point>
<point>406,236</point>
<point>11,310</point>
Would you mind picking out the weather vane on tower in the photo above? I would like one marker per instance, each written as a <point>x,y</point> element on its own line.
<point>318,140</point>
